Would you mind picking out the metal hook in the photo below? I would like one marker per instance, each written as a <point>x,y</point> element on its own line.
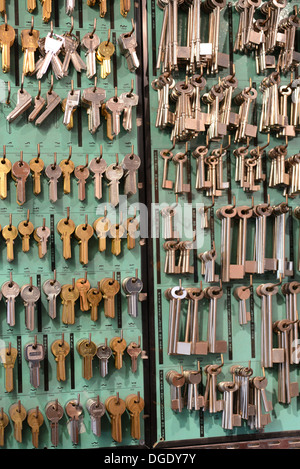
<point>68,214</point>
<point>94,28</point>
<point>133,29</point>
<point>5,21</point>
<point>95,85</point>
<point>4,154</point>
<point>8,93</point>
<point>108,37</point>
<point>86,163</point>
<point>32,26</point>
<point>210,206</point>
<point>51,85</point>
<point>70,154</point>
<point>251,284</point>
<point>51,28</point>
<point>27,219</point>
<point>265,146</point>
<point>131,89</point>
<point>38,153</point>
<point>22,84</point>
<point>101,154</point>
<point>72,87</point>
<point>10,221</point>
<point>55,161</point>
<point>86,222</point>
<point>72,26</point>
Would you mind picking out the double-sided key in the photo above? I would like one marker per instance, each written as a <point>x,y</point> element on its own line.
<point>113,174</point>
<point>130,165</point>
<point>93,98</point>
<point>10,290</point>
<point>104,54</point>
<point>18,414</point>
<point>52,289</point>
<point>8,357</point>
<point>60,349</point>
<point>41,234</point>
<point>30,294</point>
<point>104,352</point>
<point>53,173</point>
<point>132,287</point>
<point>54,413</point>
<point>34,353</point>
<point>74,410</point>
<point>96,409</point>
<point>69,296</point>
<point>98,167</point>
<point>87,349</point>
<point>35,420</point>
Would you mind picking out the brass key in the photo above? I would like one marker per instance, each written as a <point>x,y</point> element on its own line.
<point>2,7</point>
<point>35,420</point>
<point>20,171</point>
<point>29,39</point>
<point>109,288</point>
<point>36,166</point>
<point>7,38</point>
<point>103,8</point>
<point>67,167</point>
<point>47,10</point>
<point>87,349</point>
<point>83,286</point>
<point>115,408</point>
<point>135,405</point>
<point>31,5</point>
<point>117,232</point>
<point>125,7</point>
<point>60,349</point>
<point>118,346</point>
<point>18,414</point>
<point>102,226</point>
<point>4,421</point>
<point>69,295</point>
<point>10,233</point>
<point>5,169</point>
<point>94,296</point>
<point>104,53</point>
<point>83,233</point>
<point>8,357</point>
<point>132,228</point>
<point>25,229</point>
<point>66,228</point>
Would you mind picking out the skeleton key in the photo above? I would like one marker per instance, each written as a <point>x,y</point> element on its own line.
<point>96,409</point>
<point>167,156</point>
<point>60,349</point>
<point>135,405</point>
<point>54,413</point>
<point>53,173</point>
<point>84,233</point>
<point>74,410</point>
<point>10,290</point>
<point>87,349</point>
<point>30,294</point>
<point>34,354</point>
<point>18,414</point>
<point>7,38</point>
<point>41,235</point>
<point>113,174</point>
<point>52,289</point>
<point>130,165</point>
<point>8,357</point>
<point>66,228</point>
<point>180,159</point>
<point>82,173</point>
<point>69,296</point>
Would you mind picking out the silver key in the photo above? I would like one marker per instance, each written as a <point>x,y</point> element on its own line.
<point>93,97</point>
<point>70,6</point>
<point>30,294</point>
<point>34,354</point>
<point>71,55</point>
<point>53,45</point>
<point>53,172</point>
<point>10,290</point>
<point>39,103</point>
<point>98,167</point>
<point>114,173</point>
<point>72,103</point>
<point>43,233</point>
<point>90,43</point>
<point>24,101</point>
<point>115,107</point>
<point>96,409</point>
<point>104,352</point>
<point>127,43</point>
<point>54,413</point>
<point>130,165</point>
<point>53,100</point>
<point>130,100</point>
<point>52,289</point>
<point>74,410</point>
<point>132,287</point>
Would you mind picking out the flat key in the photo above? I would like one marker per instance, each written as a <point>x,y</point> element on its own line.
<point>98,167</point>
<point>34,354</point>
<point>132,287</point>
<point>10,290</point>
<point>53,173</point>
<point>52,289</point>
<point>30,294</point>
<point>54,413</point>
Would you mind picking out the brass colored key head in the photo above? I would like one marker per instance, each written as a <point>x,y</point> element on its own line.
<point>25,229</point>
<point>135,405</point>
<point>87,349</point>
<point>116,408</point>
<point>10,233</point>
<point>67,167</point>
<point>94,297</point>
<point>109,288</point>
<point>7,38</point>
<point>69,296</point>
<point>118,346</point>
<point>84,233</point>
<point>60,350</point>
<point>5,169</point>
<point>4,421</point>
<point>18,414</point>
<point>83,286</point>
<point>35,420</point>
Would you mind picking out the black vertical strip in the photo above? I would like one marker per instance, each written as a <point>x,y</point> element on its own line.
<point>46,363</point>
<point>195,260</point>
<point>252,323</point>
<point>39,305</point>
<point>80,14</point>
<point>56,13</point>
<point>254,115</point>
<point>162,405</point>
<point>72,361</point>
<point>158,260</point>
<point>265,181</point>
<point>156,214</point>
<point>19,364</point>
<point>230,28</point>
<point>291,236</point>
<point>229,320</point>
<point>189,177</point>
<point>115,61</point>
<point>112,14</point>
<point>201,411</point>
<point>16,8</point>
<point>79,126</point>
<point>153,28</point>
<point>16,52</point>
<point>212,227</point>
<point>160,328</point>
<point>78,73</point>
<point>52,241</point>
<point>119,301</point>
<point>229,191</point>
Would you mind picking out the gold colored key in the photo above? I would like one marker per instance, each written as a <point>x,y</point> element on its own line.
<point>18,414</point>
<point>35,420</point>
<point>117,232</point>
<point>108,118</point>
<point>115,408</point>
<point>66,228</point>
<point>91,3</point>
<point>5,169</point>
<point>8,357</point>
<point>118,346</point>
<point>101,227</point>
<point>47,10</point>
<point>69,295</point>
<point>60,349</point>
<point>104,53</point>
<point>31,5</point>
<point>70,125</point>
<point>109,288</point>
<point>83,233</point>
<point>10,233</point>
<point>26,229</point>
<point>132,228</point>
<point>135,405</point>
<point>7,38</point>
<point>94,297</point>
<point>29,40</point>
<point>36,166</point>
<point>103,8</point>
<point>87,349</point>
<point>125,7</point>
<point>4,421</point>
<point>67,167</point>
<point>2,7</point>
<point>83,286</point>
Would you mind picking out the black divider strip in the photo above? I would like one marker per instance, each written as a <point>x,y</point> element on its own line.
<point>46,363</point>
<point>39,305</point>
<point>19,364</point>
<point>229,321</point>
<point>72,360</point>
<point>119,301</point>
<point>16,52</point>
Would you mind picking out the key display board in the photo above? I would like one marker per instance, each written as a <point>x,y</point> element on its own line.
<point>243,341</point>
<point>53,138</point>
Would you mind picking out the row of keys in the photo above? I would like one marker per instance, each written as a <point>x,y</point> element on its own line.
<point>51,46</point>
<point>93,99</point>
<point>113,405</point>
<point>114,173</point>
<point>34,354</point>
<point>89,298</point>
<point>243,397</point>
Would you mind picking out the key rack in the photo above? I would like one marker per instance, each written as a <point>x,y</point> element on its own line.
<point>144,258</point>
